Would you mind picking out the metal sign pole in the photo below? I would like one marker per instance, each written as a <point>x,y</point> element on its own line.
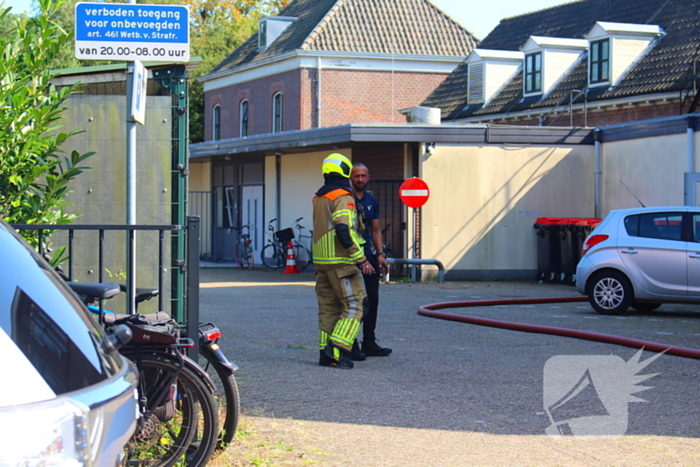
<point>415,247</point>
<point>131,185</point>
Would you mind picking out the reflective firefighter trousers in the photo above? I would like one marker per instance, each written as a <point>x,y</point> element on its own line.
<point>341,296</point>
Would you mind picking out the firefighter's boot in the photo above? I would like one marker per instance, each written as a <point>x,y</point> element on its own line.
<point>335,357</point>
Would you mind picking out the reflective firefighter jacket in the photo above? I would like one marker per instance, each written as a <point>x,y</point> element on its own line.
<point>336,237</point>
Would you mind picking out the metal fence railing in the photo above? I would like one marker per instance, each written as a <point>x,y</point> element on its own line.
<point>391,211</point>
<point>98,253</point>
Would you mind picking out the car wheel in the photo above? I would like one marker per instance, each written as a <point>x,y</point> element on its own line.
<point>645,306</point>
<point>610,293</point>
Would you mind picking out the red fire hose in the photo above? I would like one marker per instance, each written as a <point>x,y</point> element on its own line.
<point>429,310</point>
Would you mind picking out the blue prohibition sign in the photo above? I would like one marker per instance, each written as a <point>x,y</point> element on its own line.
<point>128,22</point>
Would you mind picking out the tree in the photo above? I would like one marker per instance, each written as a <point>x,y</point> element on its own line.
<point>64,17</point>
<point>35,173</point>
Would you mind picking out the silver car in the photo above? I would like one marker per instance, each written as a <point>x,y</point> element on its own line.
<point>642,257</point>
<point>66,398</point>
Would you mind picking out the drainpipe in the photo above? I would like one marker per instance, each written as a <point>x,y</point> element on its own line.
<point>691,144</point>
<point>318,92</point>
<point>688,178</point>
<point>597,137</point>
<point>278,187</point>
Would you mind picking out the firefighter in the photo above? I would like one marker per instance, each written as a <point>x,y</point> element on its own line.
<point>338,253</point>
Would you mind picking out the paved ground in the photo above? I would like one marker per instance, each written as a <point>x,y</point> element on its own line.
<point>451,394</point>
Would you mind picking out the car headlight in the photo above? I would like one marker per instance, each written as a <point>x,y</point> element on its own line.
<point>53,432</point>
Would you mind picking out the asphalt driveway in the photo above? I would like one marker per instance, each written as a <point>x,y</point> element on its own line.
<point>451,394</point>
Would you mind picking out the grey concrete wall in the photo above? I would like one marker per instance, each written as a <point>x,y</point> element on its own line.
<point>100,192</point>
<point>651,168</point>
<point>484,201</point>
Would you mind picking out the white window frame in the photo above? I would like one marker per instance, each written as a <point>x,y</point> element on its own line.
<point>590,62</point>
<point>243,124</point>
<point>216,122</point>
<point>527,71</point>
<point>262,34</point>
<point>277,111</point>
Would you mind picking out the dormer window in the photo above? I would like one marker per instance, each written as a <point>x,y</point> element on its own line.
<point>547,61</point>
<point>489,71</point>
<point>475,85</point>
<point>262,34</point>
<point>533,73</point>
<point>271,27</point>
<point>614,47</point>
<point>600,61</point>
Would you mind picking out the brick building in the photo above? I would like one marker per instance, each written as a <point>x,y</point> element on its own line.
<point>586,63</point>
<point>325,63</point>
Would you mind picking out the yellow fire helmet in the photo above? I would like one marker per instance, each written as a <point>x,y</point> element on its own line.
<point>337,163</point>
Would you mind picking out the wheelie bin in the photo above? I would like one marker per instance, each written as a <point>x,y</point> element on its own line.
<point>549,236</point>
<point>581,228</point>
<point>569,256</point>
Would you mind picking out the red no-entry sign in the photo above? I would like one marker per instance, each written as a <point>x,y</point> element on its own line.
<point>414,192</point>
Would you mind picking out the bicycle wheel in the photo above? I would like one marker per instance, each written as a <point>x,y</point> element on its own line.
<point>226,395</point>
<point>203,445</point>
<point>302,255</point>
<point>395,270</point>
<point>270,256</point>
<point>177,411</point>
<point>281,255</point>
<point>237,255</point>
<point>249,256</point>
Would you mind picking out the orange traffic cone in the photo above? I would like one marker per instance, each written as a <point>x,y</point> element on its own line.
<point>291,260</point>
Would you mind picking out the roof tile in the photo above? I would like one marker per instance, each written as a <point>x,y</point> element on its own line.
<point>415,27</point>
<point>667,67</point>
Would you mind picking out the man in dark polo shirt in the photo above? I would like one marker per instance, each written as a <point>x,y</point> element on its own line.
<point>368,207</point>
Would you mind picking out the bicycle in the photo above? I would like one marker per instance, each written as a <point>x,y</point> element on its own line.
<point>389,253</point>
<point>274,254</point>
<point>210,356</point>
<point>179,420</point>
<point>303,255</point>
<point>386,247</point>
<point>221,383</point>
<point>242,250</point>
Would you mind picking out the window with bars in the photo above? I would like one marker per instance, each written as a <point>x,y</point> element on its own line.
<point>600,61</point>
<point>277,113</point>
<point>243,118</point>
<point>533,73</point>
